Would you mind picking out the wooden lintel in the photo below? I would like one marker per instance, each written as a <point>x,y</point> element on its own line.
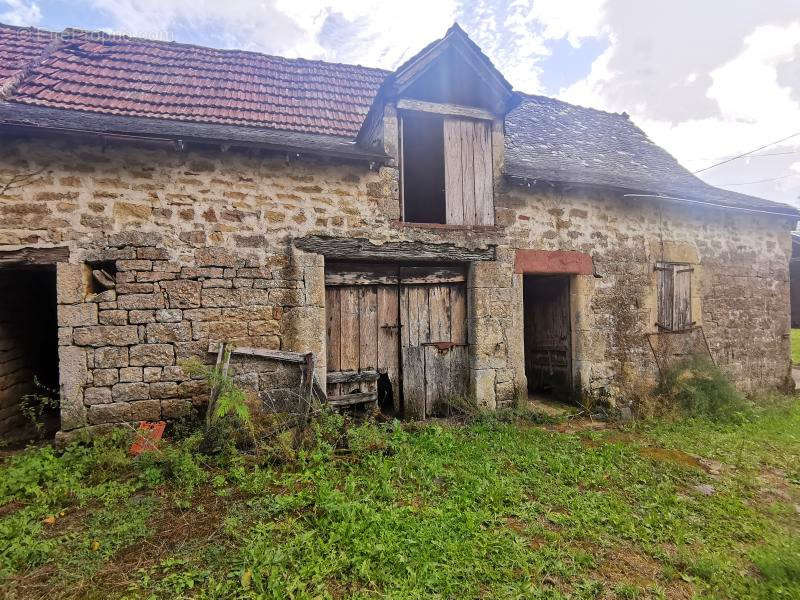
<point>453,110</point>
<point>408,251</point>
<point>282,355</point>
<point>351,376</point>
<point>34,256</point>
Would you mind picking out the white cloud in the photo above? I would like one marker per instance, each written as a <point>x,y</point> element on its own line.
<point>20,12</point>
<point>710,92</point>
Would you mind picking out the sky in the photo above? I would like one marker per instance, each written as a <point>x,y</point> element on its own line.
<point>706,79</point>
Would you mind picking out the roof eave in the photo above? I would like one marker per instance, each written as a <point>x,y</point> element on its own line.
<point>65,121</point>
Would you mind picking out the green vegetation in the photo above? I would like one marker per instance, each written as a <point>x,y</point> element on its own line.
<point>502,507</point>
<point>795,346</point>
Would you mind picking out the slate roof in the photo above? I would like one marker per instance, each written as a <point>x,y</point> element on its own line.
<point>95,72</point>
<point>552,140</point>
<point>152,85</point>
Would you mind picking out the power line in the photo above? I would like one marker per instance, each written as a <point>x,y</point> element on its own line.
<point>758,181</point>
<point>748,152</point>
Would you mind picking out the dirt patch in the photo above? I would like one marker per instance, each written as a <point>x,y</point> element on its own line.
<point>579,425</point>
<point>619,566</point>
<point>671,456</point>
<point>11,507</point>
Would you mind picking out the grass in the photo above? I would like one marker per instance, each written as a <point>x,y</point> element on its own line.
<point>489,510</point>
<point>795,340</point>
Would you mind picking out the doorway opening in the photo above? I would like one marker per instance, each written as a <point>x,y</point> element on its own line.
<point>547,336</point>
<point>28,353</point>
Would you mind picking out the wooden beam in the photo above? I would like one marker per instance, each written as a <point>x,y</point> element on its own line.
<point>282,355</point>
<point>453,110</point>
<point>352,376</point>
<point>34,256</point>
<point>408,251</point>
<point>350,399</point>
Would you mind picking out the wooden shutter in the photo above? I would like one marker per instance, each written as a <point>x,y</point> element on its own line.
<point>468,172</point>
<point>674,296</point>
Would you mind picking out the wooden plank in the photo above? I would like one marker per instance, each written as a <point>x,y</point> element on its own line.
<point>437,378</point>
<point>360,274</point>
<point>412,322</point>
<point>482,169</point>
<point>468,171</point>
<point>682,298</point>
<point>665,298</point>
<point>405,330</point>
<point>455,110</point>
<point>433,274</point>
<point>454,203</point>
<point>350,329</point>
<point>389,338</point>
<point>351,399</point>
<point>458,314</point>
<point>411,251</point>
<point>368,327</point>
<point>439,316</point>
<point>34,256</point>
<point>352,376</point>
<point>333,317</point>
<point>414,381</point>
<point>281,355</point>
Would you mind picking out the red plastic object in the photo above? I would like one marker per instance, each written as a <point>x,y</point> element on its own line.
<point>147,436</point>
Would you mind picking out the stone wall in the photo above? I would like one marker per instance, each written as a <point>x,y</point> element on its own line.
<point>201,246</point>
<point>740,280</point>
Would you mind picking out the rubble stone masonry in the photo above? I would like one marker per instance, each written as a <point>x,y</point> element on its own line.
<point>200,246</point>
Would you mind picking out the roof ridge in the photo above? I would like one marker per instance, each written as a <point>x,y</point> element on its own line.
<point>104,35</point>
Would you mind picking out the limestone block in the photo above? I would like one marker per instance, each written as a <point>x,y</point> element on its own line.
<point>182,293</point>
<point>70,285</point>
<point>214,257</point>
<point>105,376</point>
<point>72,376</point>
<point>140,317</point>
<point>164,389</point>
<point>128,392</point>
<point>140,301</point>
<point>97,395</point>
<point>130,374</point>
<point>105,335</point>
<point>151,374</point>
<point>73,315</point>
<point>168,332</point>
<point>152,253</point>
<point>219,297</point>
<point>485,388</point>
<point>169,315</point>
<point>113,317</point>
<point>173,373</point>
<point>152,355</point>
<point>111,357</point>
<point>133,238</point>
<point>102,297</point>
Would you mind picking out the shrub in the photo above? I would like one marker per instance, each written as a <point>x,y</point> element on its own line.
<point>698,387</point>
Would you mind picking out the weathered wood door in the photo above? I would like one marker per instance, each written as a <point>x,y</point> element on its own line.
<point>433,315</point>
<point>409,323</point>
<point>362,326</point>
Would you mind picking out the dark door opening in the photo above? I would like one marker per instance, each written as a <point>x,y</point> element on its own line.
<point>547,331</point>
<point>423,168</point>
<point>28,351</point>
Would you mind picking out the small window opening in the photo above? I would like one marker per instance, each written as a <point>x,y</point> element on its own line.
<point>547,336</point>
<point>103,276</point>
<point>423,168</point>
<point>28,354</point>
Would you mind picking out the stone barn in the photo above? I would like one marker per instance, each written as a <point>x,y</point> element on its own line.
<point>427,233</point>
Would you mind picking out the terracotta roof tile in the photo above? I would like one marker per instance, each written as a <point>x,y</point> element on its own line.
<point>98,73</point>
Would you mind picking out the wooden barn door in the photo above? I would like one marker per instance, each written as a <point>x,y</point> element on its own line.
<point>433,317</point>
<point>362,330</point>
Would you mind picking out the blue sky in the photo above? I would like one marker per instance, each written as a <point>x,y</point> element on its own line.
<point>707,80</point>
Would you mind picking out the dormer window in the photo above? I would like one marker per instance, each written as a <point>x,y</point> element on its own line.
<point>446,164</point>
